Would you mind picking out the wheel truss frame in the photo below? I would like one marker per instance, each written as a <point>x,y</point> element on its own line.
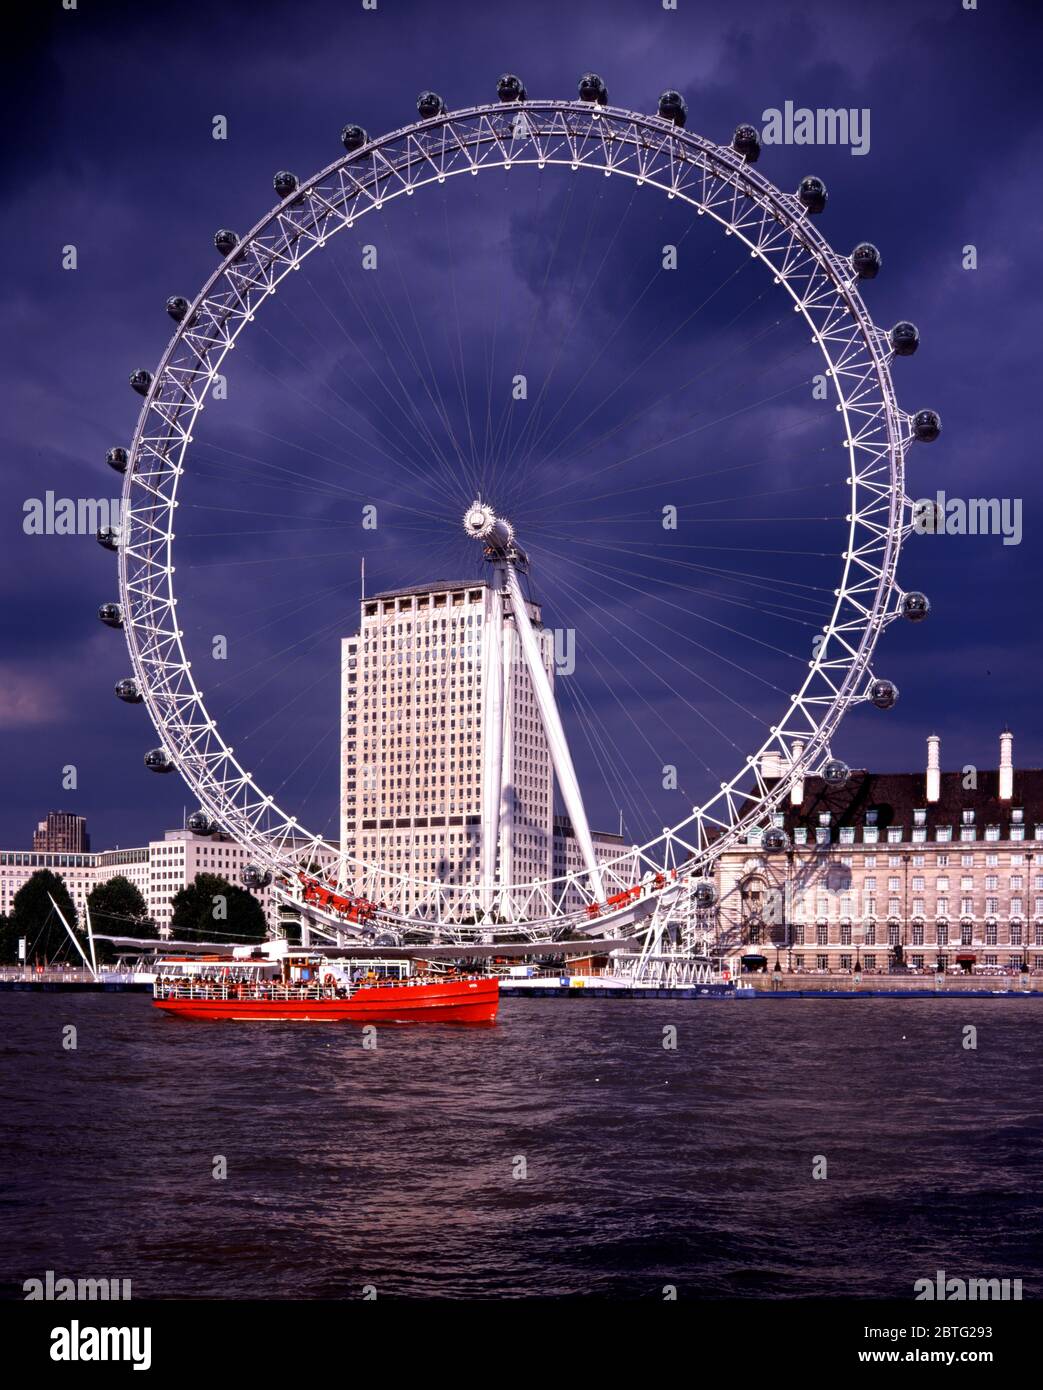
<point>715,181</point>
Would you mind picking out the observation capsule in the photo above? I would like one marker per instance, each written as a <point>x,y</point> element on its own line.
<point>140,381</point>
<point>927,426</point>
<point>835,772</point>
<point>284,183</point>
<point>705,894</point>
<point>159,760</point>
<point>353,137</point>
<point>905,339</point>
<point>509,87</point>
<point>108,537</point>
<point>255,877</point>
<point>812,193</point>
<point>673,107</point>
<point>747,142</point>
<point>774,840</point>
<point>591,88</point>
<point>226,241</point>
<point>883,694</point>
<point>866,261</point>
<point>429,105</point>
<point>177,307</point>
<point>915,606</point>
<point>127,691</point>
<point>111,614</point>
<point>200,823</point>
<point>118,458</point>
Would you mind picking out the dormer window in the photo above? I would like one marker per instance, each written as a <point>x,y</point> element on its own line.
<point>871,817</point>
<point>967,817</point>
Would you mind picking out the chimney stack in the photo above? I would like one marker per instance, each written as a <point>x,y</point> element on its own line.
<point>934,770</point>
<point>796,795</point>
<point>1006,765</point>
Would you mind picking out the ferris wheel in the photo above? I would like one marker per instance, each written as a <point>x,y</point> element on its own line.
<point>341,887</point>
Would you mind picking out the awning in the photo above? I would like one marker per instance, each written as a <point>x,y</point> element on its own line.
<point>966,955</point>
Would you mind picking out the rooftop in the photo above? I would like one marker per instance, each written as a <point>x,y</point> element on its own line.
<point>440,586</point>
<point>896,795</point>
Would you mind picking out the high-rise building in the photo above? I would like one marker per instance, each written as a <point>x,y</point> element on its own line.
<point>412,745</point>
<point>62,832</point>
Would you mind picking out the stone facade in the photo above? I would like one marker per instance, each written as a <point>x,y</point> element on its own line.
<point>930,870</point>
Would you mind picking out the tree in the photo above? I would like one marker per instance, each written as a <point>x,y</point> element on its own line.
<point>33,917</point>
<point>212,908</point>
<point>118,909</point>
<point>8,941</point>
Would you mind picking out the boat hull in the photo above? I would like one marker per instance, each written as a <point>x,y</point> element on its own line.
<point>463,1001</point>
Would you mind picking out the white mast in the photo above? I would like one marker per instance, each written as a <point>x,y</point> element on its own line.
<point>90,937</point>
<point>482,524</point>
<point>72,937</point>
<point>492,738</point>
<point>509,793</point>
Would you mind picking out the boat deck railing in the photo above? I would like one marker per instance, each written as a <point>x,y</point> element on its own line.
<point>233,989</point>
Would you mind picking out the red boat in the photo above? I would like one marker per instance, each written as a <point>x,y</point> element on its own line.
<point>315,990</point>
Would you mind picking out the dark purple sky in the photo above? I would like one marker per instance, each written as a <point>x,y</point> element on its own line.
<point>110,111</point>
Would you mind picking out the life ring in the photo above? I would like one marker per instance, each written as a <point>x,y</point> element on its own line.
<point>329,981</point>
<point>725,975</point>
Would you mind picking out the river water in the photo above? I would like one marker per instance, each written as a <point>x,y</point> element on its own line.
<point>562,1152</point>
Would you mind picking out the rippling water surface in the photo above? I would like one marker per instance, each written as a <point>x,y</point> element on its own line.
<point>644,1166</point>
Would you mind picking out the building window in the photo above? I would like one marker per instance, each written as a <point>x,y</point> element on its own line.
<point>918,934</point>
